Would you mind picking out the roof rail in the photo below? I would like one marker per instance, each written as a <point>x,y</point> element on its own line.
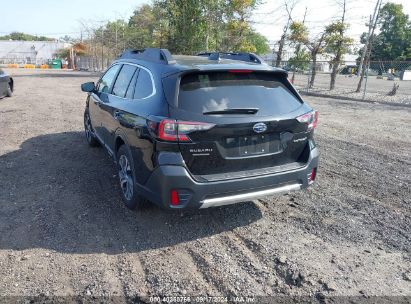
<point>150,54</point>
<point>242,56</point>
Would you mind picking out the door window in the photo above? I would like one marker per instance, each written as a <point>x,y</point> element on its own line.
<point>132,85</point>
<point>108,79</point>
<point>123,80</point>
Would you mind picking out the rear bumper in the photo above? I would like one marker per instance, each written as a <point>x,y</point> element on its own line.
<point>194,194</point>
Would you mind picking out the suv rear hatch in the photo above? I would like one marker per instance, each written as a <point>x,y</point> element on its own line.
<point>239,123</point>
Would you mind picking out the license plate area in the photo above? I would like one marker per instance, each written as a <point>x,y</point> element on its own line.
<point>250,146</point>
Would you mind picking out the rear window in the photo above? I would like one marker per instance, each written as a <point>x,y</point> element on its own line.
<point>216,91</point>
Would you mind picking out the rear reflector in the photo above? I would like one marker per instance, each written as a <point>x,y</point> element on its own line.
<point>312,176</point>
<point>175,200</point>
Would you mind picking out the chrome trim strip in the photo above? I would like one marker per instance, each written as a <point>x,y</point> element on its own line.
<point>226,200</point>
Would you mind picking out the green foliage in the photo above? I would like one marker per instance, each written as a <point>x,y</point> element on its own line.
<point>394,40</point>
<point>298,33</point>
<point>336,41</point>
<point>24,37</point>
<point>259,42</point>
<point>300,61</point>
<point>185,27</point>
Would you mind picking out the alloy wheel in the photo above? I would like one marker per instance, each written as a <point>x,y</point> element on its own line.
<point>126,178</point>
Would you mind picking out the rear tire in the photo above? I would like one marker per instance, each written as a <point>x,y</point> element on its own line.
<point>89,131</point>
<point>127,176</point>
<point>9,92</point>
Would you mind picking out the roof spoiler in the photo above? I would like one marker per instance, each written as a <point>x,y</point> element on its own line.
<point>241,56</point>
<point>150,54</point>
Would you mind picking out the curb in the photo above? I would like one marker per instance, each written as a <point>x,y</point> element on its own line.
<point>397,104</point>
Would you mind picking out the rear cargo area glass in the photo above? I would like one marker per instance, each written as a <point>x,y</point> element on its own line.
<point>217,91</point>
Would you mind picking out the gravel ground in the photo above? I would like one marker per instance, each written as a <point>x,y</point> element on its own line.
<point>64,231</point>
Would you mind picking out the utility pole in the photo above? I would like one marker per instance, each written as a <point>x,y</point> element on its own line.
<point>369,45</point>
<point>102,48</point>
<point>365,48</point>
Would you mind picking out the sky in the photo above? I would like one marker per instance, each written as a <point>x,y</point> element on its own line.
<point>270,17</point>
<point>56,18</point>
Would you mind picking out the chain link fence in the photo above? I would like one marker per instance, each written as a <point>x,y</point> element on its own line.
<point>92,63</point>
<point>383,81</point>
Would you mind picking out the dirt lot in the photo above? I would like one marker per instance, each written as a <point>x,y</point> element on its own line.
<point>63,230</point>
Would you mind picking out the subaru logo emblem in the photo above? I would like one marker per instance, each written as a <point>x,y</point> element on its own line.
<point>260,127</point>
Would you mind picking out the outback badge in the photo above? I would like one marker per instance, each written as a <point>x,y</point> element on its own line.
<point>260,127</point>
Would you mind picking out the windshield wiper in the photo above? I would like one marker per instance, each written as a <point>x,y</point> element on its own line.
<point>233,111</point>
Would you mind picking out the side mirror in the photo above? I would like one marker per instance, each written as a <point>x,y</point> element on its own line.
<point>88,87</point>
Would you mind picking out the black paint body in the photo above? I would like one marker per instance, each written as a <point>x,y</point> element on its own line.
<point>162,166</point>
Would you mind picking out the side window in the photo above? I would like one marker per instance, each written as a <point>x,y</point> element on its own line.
<point>108,79</point>
<point>123,80</point>
<point>144,86</point>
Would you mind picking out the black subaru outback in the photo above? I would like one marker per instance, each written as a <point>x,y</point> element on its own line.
<point>201,131</point>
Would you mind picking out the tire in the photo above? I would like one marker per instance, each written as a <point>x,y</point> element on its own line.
<point>89,131</point>
<point>9,92</point>
<point>127,177</point>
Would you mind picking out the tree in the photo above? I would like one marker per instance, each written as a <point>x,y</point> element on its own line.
<point>25,37</point>
<point>192,26</point>
<point>301,58</point>
<point>184,27</point>
<point>143,19</point>
<point>289,7</point>
<point>337,43</point>
<point>394,39</point>
<point>315,45</point>
<point>259,42</point>
<point>299,62</point>
<point>238,28</point>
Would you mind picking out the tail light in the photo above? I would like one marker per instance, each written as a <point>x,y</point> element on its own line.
<point>310,119</point>
<point>177,130</point>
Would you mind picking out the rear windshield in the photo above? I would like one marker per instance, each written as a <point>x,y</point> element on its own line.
<point>219,91</point>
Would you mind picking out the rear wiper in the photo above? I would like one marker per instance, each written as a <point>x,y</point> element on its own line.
<point>233,111</point>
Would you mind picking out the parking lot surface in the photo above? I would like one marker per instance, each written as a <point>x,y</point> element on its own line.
<point>64,231</point>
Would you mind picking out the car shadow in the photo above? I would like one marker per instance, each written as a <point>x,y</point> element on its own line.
<point>58,194</point>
